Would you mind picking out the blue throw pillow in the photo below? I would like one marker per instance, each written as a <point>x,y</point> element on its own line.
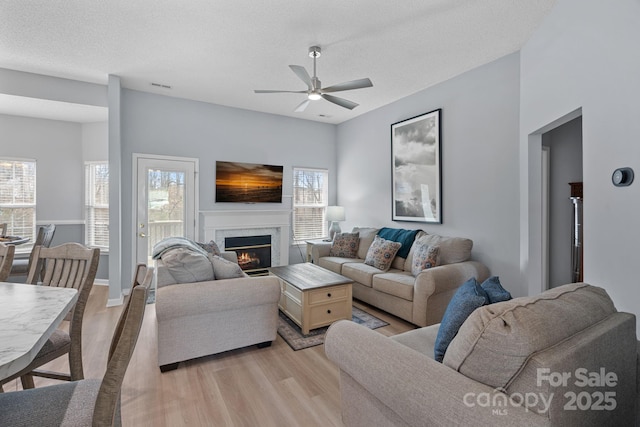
<point>494,290</point>
<point>467,298</point>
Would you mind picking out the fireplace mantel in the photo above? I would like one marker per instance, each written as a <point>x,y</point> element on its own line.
<point>217,225</point>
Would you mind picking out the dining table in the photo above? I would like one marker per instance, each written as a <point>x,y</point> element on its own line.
<point>29,314</point>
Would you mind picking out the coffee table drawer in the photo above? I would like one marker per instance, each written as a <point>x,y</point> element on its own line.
<point>326,314</point>
<point>321,296</point>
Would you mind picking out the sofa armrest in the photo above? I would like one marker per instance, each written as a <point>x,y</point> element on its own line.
<point>319,250</point>
<point>416,388</point>
<point>435,287</point>
<point>216,295</point>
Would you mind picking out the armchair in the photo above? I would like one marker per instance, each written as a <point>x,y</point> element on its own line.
<point>396,382</point>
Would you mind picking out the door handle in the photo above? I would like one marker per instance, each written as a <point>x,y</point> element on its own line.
<point>142,234</point>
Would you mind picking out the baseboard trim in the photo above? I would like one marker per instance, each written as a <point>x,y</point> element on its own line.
<point>113,302</point>
<point>101,282</point>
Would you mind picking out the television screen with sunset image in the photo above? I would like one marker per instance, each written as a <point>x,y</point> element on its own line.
<point>248,183</point>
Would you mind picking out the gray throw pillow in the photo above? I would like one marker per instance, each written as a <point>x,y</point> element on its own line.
<point>187,266</point>
<point>211,247</point>
<point>224,269</point>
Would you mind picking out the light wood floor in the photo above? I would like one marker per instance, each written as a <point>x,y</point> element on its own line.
<point>273,386</point>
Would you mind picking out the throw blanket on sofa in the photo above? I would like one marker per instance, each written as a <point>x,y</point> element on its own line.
<point>175,242</point>
<point>406,237</point>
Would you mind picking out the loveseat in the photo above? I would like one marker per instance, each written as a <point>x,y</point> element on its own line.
<point>420,299</point>
<point>563,358</point>
<point>212,316</point>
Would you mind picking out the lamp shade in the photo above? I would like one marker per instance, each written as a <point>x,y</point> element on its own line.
<point>335,213</point>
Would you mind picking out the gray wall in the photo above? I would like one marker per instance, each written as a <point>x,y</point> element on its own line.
<point>479,163</point>
<point>565,144</point>
<point>58,147</point>
<point>156,124</point>
<point>584,55</point>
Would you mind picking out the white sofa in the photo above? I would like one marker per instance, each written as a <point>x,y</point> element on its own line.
<point>421,300</point>
<point>204,318</point>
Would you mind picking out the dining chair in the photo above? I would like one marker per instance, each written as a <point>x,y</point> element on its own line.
<point>3,229</point>
<point>69,265</point>
<point>6,259</point>
<point>90,402</point>
<point>43,238</point>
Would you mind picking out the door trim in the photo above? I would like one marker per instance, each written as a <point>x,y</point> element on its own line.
<point>134,196</point>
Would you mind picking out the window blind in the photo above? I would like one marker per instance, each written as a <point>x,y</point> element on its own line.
<point>310,193</point>
<point>18,197</point>
<point>97,204</point>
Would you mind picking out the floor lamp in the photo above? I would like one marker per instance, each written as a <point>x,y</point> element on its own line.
<point>334,215</point>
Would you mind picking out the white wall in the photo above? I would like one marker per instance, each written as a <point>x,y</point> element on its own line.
<point>156,124</point>
<point>585,55</point>
<point>479,163</point>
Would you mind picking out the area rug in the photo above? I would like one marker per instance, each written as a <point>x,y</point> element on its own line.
<point>292,334</point>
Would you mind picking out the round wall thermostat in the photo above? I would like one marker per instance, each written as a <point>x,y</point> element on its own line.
<point>622,177</point>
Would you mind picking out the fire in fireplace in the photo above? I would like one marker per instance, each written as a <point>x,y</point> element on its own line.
<point>254,253</point>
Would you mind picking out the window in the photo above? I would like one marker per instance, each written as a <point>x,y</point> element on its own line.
<point>310,194</point>
<point>96,204</point>
<point>18,197</point>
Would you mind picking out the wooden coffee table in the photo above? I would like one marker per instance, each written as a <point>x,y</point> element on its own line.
<point>312,296</point>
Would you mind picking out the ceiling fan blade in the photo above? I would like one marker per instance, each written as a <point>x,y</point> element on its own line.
<point>302,73</point>
<point>353,84</point>
<point>303,105</point>
<point>280,91</point>
<point>340,101</point>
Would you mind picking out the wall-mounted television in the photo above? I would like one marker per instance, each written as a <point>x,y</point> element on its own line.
<point>248,183</point>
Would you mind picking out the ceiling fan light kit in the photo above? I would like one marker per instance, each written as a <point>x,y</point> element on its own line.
<point>315,91</point>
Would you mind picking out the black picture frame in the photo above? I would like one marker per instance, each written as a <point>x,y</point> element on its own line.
<point>416,168</point>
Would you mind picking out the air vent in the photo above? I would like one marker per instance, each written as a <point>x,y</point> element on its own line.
<point>325,116</point>
<point>160,85</point>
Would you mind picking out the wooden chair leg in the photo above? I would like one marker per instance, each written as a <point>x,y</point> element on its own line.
<point>27,381</point>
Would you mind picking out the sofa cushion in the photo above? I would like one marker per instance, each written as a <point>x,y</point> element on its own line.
<point>367,234</point>
<point>400,235</point>
<point>495,291</point>
<point>395,282</point>
<point>424,257</point>
<point>224,269</point>
<point>452,249</point>
<point>345,245</point>
<point>467,298</point>
<point>360,272</point>
<point>335,263</point>
<point>187,266</point>
<point>381,253</point>
<point>496,341</point>
<point>422,340</point>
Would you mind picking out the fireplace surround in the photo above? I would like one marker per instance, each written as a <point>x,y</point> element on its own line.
<point>222,224</point>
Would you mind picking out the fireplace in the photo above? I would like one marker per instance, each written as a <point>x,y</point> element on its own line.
<point>254,253</point>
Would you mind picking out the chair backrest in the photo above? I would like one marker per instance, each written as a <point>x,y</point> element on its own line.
<point>44,238</point>
<point>6,260</point>
<point>70,265</point>
<point>3,229</point>
<point>123,343</point>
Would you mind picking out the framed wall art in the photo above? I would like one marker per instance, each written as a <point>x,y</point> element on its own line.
<point>416,169</point>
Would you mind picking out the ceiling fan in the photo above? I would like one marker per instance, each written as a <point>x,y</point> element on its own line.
<point>315,90</point>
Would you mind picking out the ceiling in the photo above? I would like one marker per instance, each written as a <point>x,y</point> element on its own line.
<point>219,51</point>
